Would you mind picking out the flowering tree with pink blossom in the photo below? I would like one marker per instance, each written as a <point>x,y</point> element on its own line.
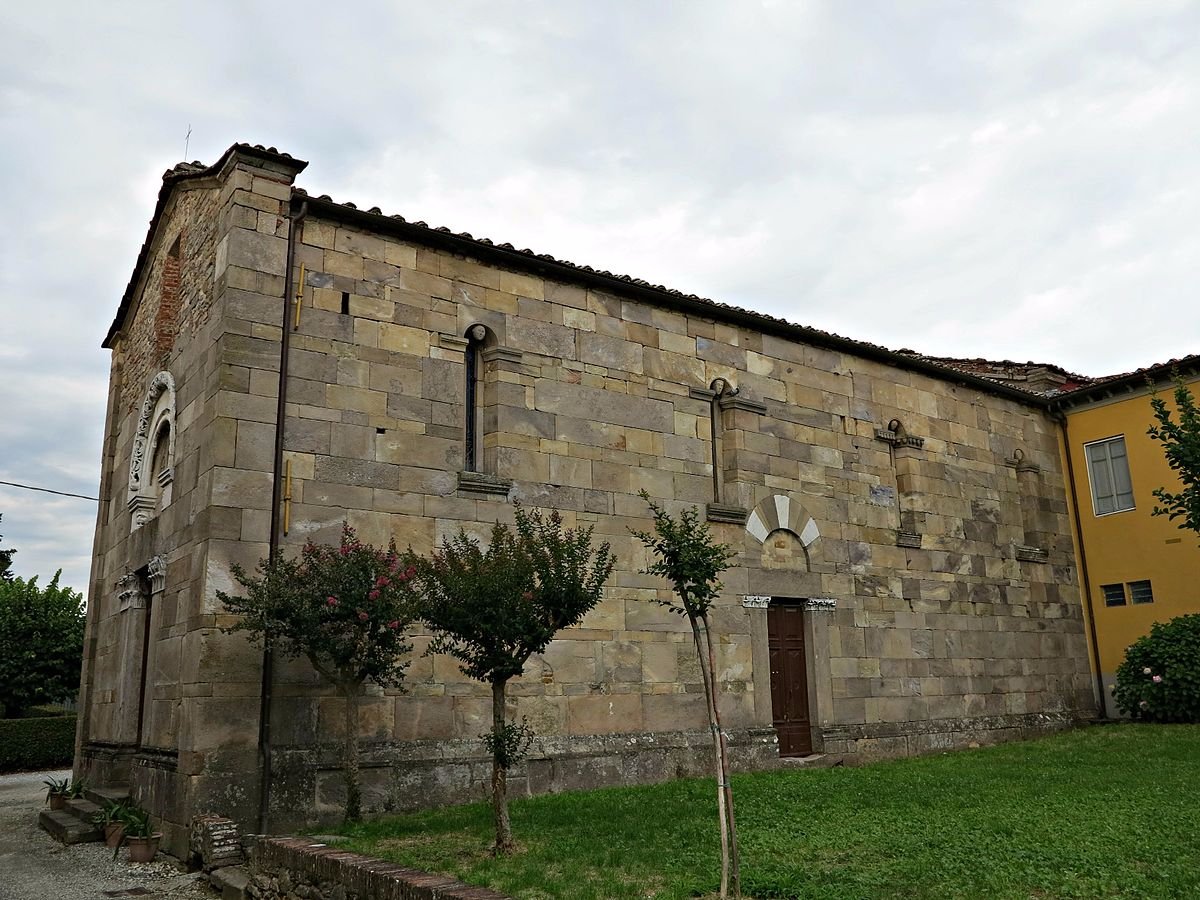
<point>346,609</point>
<point>491,609</point>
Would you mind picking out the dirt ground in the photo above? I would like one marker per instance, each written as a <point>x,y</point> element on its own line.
<point>33,866</point>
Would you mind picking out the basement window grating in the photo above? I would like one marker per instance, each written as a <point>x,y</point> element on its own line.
<point>1114,594</point>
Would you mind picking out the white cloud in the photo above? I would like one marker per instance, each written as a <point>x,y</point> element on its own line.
<point>1011,180</point>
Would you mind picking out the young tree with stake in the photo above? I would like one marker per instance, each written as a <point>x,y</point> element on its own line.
<point>492,609</point>
<point>687,556</point>
<point>345,609</point>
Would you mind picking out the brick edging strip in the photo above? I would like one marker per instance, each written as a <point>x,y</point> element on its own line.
<point>360,876</point>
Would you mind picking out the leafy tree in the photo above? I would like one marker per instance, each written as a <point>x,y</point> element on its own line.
<point>6,561</point>
<point>346,610</point>
<point>1181,445</point>
<point>492,609</point>
<point>41,636</point>
<point>687,556</point>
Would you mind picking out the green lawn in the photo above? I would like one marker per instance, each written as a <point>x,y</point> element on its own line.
<point>1110,811</point>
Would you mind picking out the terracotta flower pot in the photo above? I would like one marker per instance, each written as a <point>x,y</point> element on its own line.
<point>57,801</point>
<point>113,832</point>
<point>142,849</point>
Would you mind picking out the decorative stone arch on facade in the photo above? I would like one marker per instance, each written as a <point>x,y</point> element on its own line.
<point>780,511</point>
<point>150,488</point>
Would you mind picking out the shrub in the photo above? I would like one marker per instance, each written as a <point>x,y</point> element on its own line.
<point>1159,681</point>
<point>36,743</point>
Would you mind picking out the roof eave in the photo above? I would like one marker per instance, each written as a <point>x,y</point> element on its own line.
<point>547,266</point>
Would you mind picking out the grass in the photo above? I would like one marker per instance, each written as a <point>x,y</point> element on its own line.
<point>1110,811</point>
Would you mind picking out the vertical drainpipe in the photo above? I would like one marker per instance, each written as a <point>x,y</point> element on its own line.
<point>268,668</point>
<point>1083,566</point>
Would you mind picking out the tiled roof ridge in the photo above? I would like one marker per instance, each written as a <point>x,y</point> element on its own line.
<point>933,363</point>
<point>464,241</point>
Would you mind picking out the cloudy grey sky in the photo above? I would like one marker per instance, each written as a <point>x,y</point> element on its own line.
<point>1009,180</point>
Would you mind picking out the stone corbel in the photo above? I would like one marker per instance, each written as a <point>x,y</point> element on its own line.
<point>898,440</point>
<point>450,342</point>
<point>723,512</point>
<point>479,483</point>
<point>141,509</point>
<point>738,402</point>
<point>505,359</point>
<point>1017,461</point>
<point>1032,554</point>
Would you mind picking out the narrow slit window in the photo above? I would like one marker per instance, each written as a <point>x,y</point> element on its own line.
<point>472,452</point>
<point>1114,594</point>
<point>345,303</point>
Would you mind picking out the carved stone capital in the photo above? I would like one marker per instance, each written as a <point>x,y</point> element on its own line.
<point>751,601</point>
<point>156,570</point>
<point>821,604</point>
<point>131,594</point>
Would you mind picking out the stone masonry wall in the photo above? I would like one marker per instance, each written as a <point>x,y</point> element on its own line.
<point>587,398</point>
<point>168,732</point>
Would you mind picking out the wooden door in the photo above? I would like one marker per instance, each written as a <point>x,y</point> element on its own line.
<point>789,678</point>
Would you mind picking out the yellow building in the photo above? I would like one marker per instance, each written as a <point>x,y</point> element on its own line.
<point>1137,568</point>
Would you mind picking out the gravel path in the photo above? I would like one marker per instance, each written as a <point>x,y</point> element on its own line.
<point>33,866</point>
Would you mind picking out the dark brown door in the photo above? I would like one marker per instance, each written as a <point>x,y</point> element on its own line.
<point>789,678</point>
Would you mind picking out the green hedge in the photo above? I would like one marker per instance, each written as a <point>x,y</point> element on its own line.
<point>43,743</point>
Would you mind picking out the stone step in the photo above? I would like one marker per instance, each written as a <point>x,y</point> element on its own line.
<point>110,792</point>
<point>64,827</point>
<point>230,882</point>
<point>84,810</point>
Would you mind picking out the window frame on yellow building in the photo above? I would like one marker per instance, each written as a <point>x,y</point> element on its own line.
<point>1116,494</point>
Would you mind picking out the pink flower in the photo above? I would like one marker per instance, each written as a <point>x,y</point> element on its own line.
<point>344,550</point>
<point>331,601</point>
<point>374,595</point>
<point>394,624</point>
<point>527,596</point>
<point>383,581</point>
<point>410,571</point>
<point>1157,679</point>
<point>362,616</point>
<point>1146,671</point>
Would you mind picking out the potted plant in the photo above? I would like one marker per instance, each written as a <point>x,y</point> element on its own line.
<point>112,819</point>
<point>56,791</point>
<point>76,788</point>
<point>140,835</point>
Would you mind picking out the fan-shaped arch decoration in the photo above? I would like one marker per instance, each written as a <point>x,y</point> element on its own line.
<point>786,512</point>
<point>156,423</point>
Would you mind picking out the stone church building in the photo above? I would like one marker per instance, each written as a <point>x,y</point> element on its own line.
<point>282,363</point>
